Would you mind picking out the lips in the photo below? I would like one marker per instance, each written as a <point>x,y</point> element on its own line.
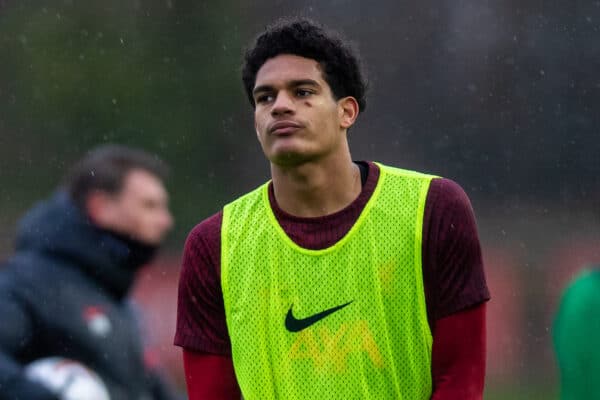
<point>284,127</point>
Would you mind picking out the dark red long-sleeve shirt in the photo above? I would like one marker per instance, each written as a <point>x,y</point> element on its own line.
<point>455,291</point>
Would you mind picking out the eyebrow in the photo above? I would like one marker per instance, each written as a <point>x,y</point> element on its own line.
<point>294,83</point>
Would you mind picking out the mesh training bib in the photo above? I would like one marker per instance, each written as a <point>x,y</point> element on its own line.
<point>345,322</point>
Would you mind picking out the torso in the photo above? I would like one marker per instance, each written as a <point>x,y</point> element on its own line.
<point>448,218</point>
<point>373,272</point>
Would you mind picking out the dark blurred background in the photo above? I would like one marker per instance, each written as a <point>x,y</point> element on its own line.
<point>503,97</point>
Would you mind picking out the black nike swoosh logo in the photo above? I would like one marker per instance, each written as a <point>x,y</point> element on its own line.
<point>293,324</point>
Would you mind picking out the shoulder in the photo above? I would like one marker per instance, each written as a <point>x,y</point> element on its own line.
<point>448,211</point>
<point>201,253</point>
<point>205,233</point>
<point>588,279</point>
<point>448,208</point>
<point>584,290</point>
<point>27,282</point>
<point>28,272</point>
<point>577,317</point>
<point>444,192</point>
<point>249,197</point>
<point>9,280</point>
<point>449,218</point>
<point>403,172</point>
<point>453,263</point>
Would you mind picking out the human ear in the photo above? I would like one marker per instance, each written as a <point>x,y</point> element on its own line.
<point>348,111</point>
<point>99,208</point>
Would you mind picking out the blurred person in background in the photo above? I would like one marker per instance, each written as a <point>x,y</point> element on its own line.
<point>337,279</point>
<point>576,332</point>
<point>64,292</point>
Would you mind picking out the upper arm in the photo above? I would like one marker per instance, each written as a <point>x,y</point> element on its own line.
<point>16,336</point>
<point>452,259</point>
<point>455,290</point>
<point>201,322</point>
<point>17,330</point>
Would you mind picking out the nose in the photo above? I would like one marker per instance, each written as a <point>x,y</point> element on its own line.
<point>283,104</point>
<point>168,220</point>
<point>164,220</point>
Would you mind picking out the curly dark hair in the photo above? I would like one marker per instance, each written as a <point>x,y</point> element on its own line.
<point>303,37</point>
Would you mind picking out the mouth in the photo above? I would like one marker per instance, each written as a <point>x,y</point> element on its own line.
<point>284,127</point>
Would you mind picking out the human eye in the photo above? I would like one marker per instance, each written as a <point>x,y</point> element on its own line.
<point>264,98</point>
<point>302,92</point>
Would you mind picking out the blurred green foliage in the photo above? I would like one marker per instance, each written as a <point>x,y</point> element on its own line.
<point>154,74</point>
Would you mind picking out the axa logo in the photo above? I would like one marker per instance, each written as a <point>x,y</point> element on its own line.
<point>97,321</point>
<point>328,348</point>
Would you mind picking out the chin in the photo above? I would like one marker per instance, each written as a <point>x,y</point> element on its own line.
<point>153,242</point>
<point>289,159</point>
<point>289,154</point>
<point>149,241</point>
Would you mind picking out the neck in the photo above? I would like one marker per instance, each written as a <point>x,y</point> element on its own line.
<point>318,188</point>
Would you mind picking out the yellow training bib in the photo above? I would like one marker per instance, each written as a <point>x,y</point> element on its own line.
<point>345,322</point>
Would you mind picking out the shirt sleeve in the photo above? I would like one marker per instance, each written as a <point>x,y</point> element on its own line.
<point>210,377</point>
<point>452,261</point>
<point>458,355</point>
<point>201,322</point>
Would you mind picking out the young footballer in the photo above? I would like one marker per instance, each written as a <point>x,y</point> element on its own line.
<point>336,279</point>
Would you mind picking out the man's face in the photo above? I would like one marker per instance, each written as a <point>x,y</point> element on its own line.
<point>140,209</point>
<point>296,117</point>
